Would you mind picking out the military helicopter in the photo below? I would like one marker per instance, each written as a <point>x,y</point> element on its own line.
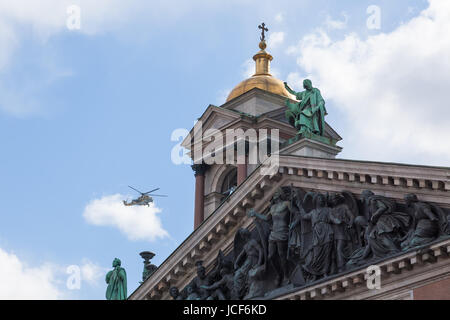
<point>144,199</point>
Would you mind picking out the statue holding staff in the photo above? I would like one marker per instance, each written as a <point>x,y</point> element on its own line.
<point>307,116</point>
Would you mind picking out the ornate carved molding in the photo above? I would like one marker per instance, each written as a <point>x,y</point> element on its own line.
<point>199,169</point>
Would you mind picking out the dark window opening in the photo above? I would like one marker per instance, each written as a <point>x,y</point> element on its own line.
<point>229,183</point>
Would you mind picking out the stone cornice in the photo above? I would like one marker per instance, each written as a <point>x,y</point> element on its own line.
<point>314,144</point>
<point>389,179</point>
<point>229,114</point>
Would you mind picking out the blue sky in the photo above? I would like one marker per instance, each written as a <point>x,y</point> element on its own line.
<point>84,113</point>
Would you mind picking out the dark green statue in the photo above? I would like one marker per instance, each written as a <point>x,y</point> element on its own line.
<point>117,282</point>
<point>307,116</point>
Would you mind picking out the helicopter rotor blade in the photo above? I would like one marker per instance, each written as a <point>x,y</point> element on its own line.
<point>151,191</point>
<point>135,189</point>
<point>158,195</point>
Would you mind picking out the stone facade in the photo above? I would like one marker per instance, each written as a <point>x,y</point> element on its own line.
<point>311,165</point>
<point>391,180</point>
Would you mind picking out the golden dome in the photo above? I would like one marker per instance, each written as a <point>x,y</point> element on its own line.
<point>262,79</point>
<point>264,82</point>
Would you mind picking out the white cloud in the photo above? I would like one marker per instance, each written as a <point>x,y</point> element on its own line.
<point>392,87</point>
<point>39,21</point>
<point>48,17</point>
<point>276,38</point>
<point>46,281</point>
<point>249,68</point>
<point>44,18</point>
<point>136,222</point>
<point>336,24</point>
<point>21,281</point>
<point>319,38</point>
<point>91,272</point>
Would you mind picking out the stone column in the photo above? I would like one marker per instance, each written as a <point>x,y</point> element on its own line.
<point>241,172</point>
<point>199,207</point>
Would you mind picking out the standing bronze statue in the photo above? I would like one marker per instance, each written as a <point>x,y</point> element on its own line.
<point>345,209</point>
<point>308,115</point>
<point>296,240</point>
<point>319,261</point>
<point>279,217</point>
<point>117,282</point>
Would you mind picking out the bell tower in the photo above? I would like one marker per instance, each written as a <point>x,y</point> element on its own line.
<point>254,109</point>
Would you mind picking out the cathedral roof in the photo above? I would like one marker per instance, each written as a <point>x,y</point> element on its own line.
<point>262,78</point>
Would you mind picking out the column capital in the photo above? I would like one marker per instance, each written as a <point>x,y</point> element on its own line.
<point>199,169</point>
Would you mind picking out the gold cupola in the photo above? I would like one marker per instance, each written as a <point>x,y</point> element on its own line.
<point>262,78</point>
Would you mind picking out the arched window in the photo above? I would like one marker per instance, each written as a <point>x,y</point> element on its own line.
<point>229,183</point>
